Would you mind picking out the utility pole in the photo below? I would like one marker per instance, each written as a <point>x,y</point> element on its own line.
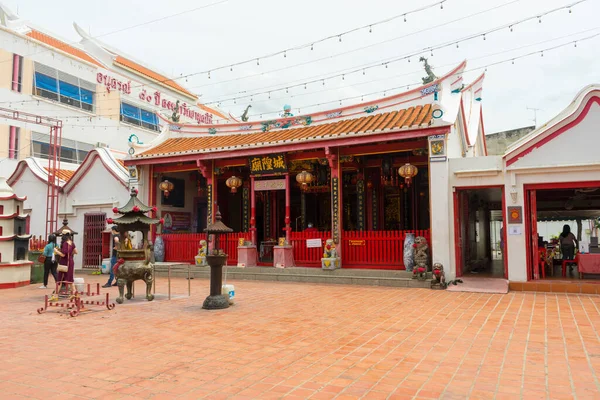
<point>535,110</point>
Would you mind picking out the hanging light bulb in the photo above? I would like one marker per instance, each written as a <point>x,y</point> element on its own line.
<point>370,29</point>
<point>386,65</point>
<point>575,43</point>
<point>285,54</point>
<point>363,71</point>
<point>305,86</point>
<point>269,94</point>
<point>343,77</point>
<point>362,98</point>
<point>431,52</point>
<point>404,17</point>
<point>257,63</point>
<point>323,82</point>
<point>442,5</point>
<point>208,74</point>
<point>312,46</point>
<point>286,90</point>
<point>484,36</point>
<point>511,28</point>
<point>542,53</point>
<point>340,37</point>
<point>457,45</point>
<point>570,11</point>
<point>513,61</point>
<point>540,20</point>
<point>408,59</point>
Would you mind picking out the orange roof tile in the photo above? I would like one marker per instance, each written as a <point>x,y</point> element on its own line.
<point>60,45</point>
<point>151,74</point>
<point>63,174</point>
<point>414,116</point>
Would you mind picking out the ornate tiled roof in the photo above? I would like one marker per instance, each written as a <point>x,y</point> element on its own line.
<point>63,174</point>
<point>413,117</point>
<point>60,45</point>
<point>133,202</point>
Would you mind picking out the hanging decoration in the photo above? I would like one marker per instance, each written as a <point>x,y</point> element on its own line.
<point>166,187</point>
<point>304,178</point>
<point>408,172</point>
<point>233,183</point>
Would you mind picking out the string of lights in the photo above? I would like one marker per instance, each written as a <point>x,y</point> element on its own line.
<point>66,44</point>
<point>389,91</point>
<point>449,64</point>
<point>386,62</point>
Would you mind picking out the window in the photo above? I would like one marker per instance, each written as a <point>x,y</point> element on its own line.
<point>1,210</point>
<point>17,73</point>
<point>13,142</point>
<point>59,86</point>
<point>71,151</point>
<point>138,116</point>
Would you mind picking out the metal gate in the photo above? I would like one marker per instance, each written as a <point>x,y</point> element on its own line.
<point>94,225</point>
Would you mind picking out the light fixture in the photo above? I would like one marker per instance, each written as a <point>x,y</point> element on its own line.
<point>408,172</point>
<point>166,187</point>
<point>233,183</point>
<point>304,178</point>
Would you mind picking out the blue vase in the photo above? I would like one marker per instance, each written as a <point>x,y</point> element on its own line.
<point>159,249</point>
<point>409,255</point>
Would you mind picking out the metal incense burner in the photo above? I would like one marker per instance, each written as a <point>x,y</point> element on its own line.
<point>216,258</point>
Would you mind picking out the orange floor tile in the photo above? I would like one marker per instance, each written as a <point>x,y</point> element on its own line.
<point>304,341</point>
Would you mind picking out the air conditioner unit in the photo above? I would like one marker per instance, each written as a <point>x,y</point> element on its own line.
<point>100,144</point>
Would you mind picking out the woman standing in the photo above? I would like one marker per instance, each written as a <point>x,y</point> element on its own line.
<point>66,253</point>
<point>50,261</point>
<point>567,243</point>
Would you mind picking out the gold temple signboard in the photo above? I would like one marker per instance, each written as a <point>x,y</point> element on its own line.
<point>357,242</point>
<point>268,164</point>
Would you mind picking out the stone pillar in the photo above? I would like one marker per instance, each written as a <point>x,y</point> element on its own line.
<point>252,211</point>
<point>442,224</point>
<point>246,208</point>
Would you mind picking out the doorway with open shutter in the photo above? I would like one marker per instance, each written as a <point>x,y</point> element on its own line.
<point>94,225</point>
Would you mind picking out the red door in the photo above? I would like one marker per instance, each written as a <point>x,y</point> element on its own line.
<point>535,259</point>
<point>94,225</point>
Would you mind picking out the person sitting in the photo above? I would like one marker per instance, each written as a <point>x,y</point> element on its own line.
<point>310,228</point>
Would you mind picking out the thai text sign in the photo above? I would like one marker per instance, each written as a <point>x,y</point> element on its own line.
<point>177,222</point>
<point>356,242</point>
<point>273,184</point>
<point>267,164</point>
<point>312,243</point>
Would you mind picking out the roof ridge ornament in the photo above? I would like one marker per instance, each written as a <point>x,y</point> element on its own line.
<point>430,75</point>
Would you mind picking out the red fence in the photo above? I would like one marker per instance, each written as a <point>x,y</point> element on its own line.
<point>183,247</point>
<point>375,249</point>
<point>366,249</point>
<point>308,257</point>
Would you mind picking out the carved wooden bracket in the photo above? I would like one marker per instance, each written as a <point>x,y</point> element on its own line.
<point>203,168</point>
<point>331,157</point>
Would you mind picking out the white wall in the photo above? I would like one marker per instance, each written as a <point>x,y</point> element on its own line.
<point>97,191</point>
<point>31,186</point>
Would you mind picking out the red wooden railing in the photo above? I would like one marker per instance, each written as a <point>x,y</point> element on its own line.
<point>304,256</point>
<point>366,249</point>
<point>375,249</point>
<point>183,247</point>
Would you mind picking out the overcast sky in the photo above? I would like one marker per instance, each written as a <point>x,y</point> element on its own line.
<point>236,30</point>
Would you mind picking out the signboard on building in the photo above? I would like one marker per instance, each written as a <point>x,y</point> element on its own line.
<point>176,222</point>
<point>268,164</point>
<point>272,184</point>
<point>515,215</point>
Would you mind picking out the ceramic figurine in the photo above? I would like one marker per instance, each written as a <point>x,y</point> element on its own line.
<point>421,258</point>
<point>409,260</point>
<point>159,249</point>
<point>330,258</point>
<point>201,257</point>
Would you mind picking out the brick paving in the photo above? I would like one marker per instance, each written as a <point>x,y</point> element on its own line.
<point>305,341</point>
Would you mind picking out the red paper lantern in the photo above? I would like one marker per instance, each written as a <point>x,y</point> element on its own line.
<point>136,209</point>
<point>154,209</point>
<point>109,220</point>
<point>115,210</point>
<point>161,221</point>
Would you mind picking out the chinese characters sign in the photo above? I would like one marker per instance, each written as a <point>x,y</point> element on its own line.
<point>273,184</point>
<point>267,164</point>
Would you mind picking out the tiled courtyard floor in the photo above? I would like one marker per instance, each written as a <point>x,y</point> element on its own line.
<point>305,341</point>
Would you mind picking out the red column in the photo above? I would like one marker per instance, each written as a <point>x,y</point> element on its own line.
<point>252,211</point>
<point>12,142</point>
<point>152,199</point>
<point>15,75</point>
<point>287,208</point>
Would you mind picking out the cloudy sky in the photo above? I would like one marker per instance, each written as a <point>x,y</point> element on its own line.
<point>208,34</point>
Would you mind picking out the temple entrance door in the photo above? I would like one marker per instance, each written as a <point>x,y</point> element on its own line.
<point>201,216</point>
<point>95,224</point>
<point>533,257</point>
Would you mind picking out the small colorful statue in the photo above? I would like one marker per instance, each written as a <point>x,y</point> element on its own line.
<point>202,251</point>
<point>439,278</point>
<point>330,258</point>
<point>421,257</point>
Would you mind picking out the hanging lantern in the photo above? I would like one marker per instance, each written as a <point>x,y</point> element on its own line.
<point>304,178</point>
<point>166,187</point>
<point>408,172</point>
<point>233,183</point>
